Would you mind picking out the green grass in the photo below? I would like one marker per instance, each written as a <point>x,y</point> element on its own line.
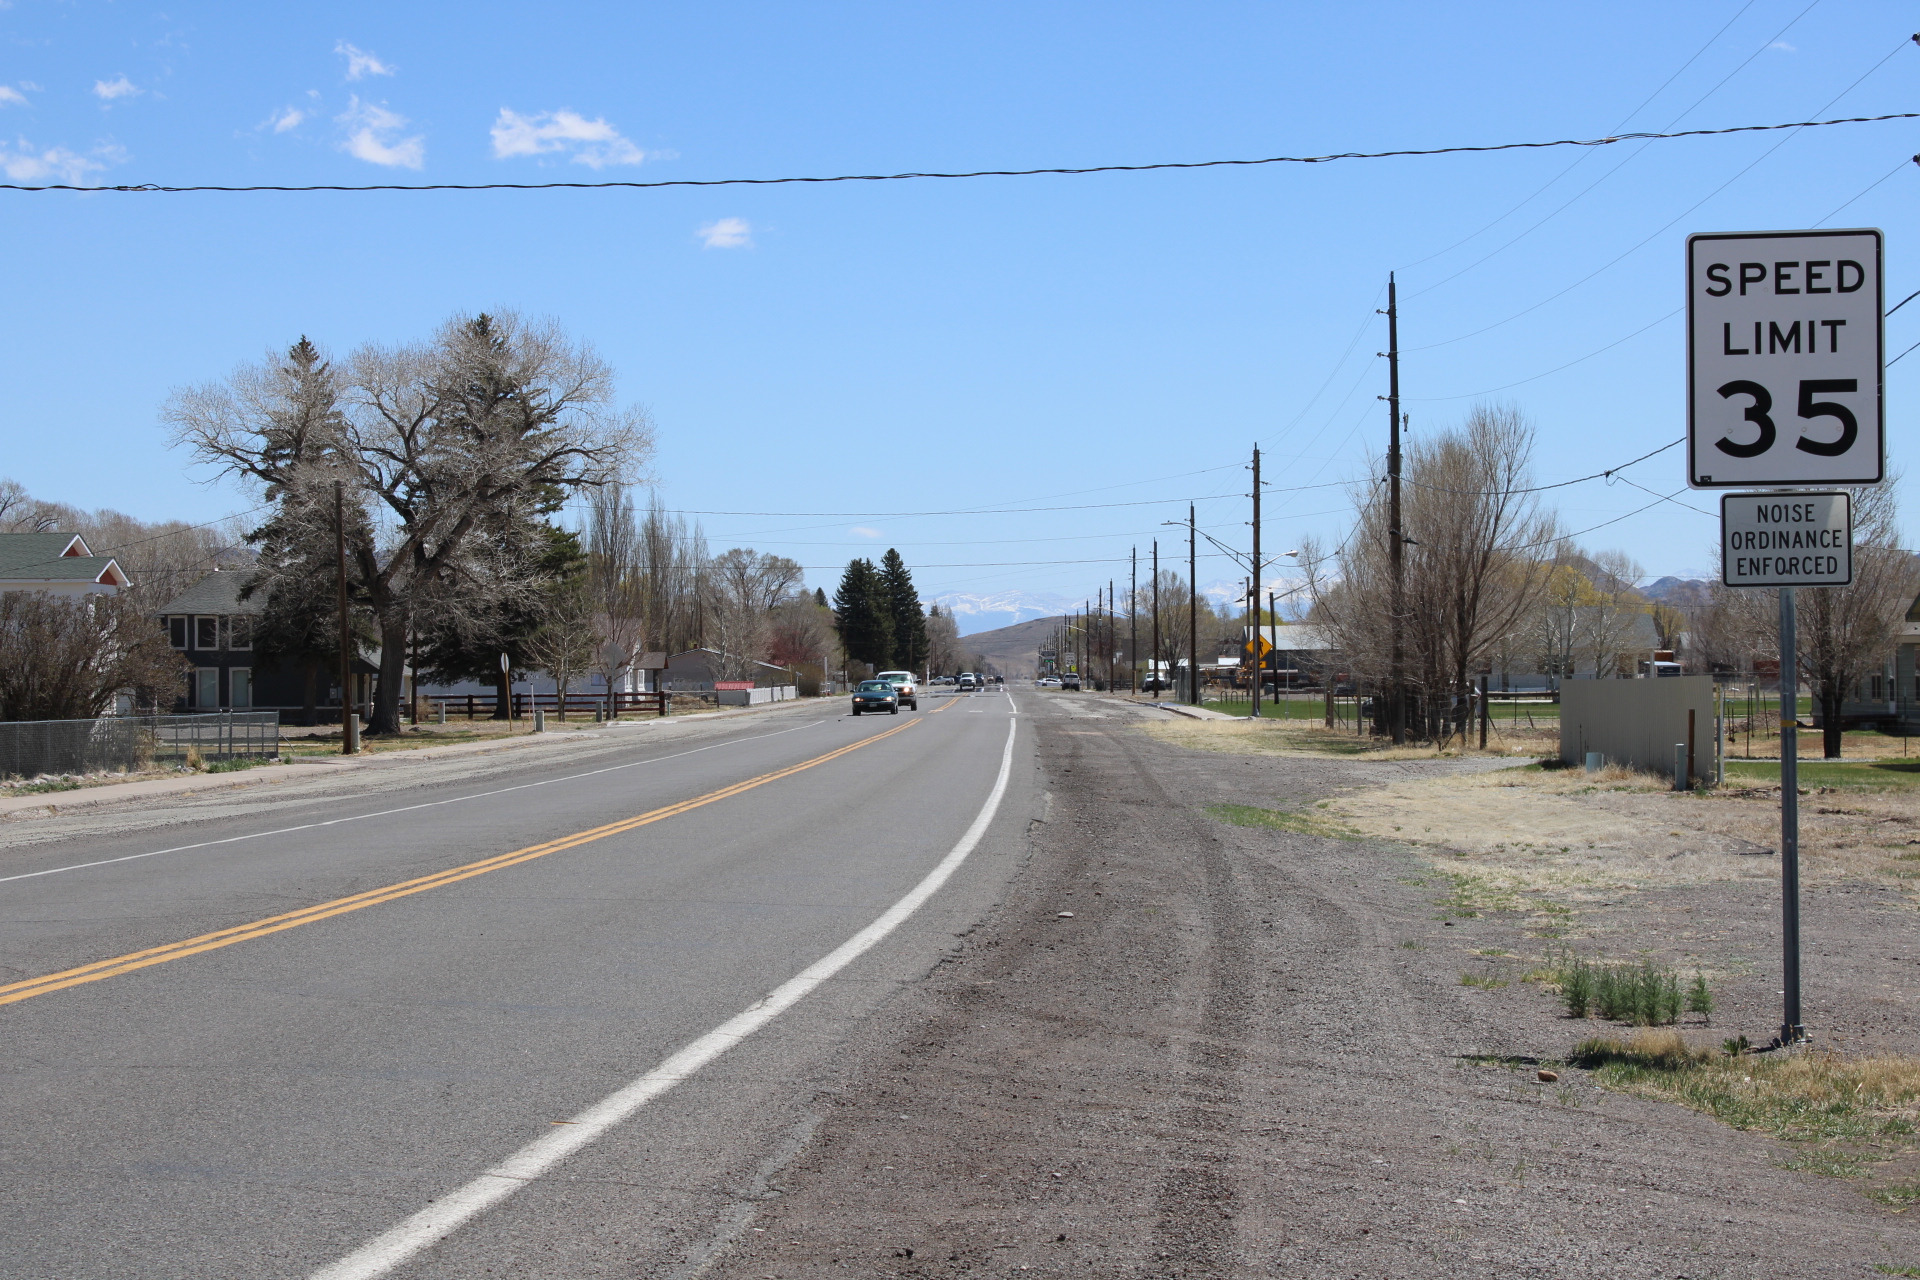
<point>1871,775</point>
<point>1306,824</point>
<point>1887,1269</point>
<point>236,764</point>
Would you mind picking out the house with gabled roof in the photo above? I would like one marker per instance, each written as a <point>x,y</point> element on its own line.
<point>60,563</point>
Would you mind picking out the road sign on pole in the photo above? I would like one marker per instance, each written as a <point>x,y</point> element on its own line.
<point>1784,359</point>
<point>1799,539</point>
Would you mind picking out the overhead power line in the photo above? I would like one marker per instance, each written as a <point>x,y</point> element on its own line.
<point>1610,140</point>
<point>1609,474</point>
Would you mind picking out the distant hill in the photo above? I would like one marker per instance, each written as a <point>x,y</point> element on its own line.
<point>1681,593</point>
<point>1012,649</point>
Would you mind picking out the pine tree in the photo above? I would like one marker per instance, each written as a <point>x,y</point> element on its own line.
<point>820,596</point>
<point>863,621</point>
<point>902,604</point>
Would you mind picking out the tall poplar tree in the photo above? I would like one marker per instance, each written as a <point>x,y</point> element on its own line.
<point>862,618</point>
<point>903,610</point>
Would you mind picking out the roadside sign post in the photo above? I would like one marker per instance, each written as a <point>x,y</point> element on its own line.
<point>1785,392</point>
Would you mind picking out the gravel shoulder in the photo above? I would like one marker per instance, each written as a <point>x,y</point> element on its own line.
<point>1248,1050</point>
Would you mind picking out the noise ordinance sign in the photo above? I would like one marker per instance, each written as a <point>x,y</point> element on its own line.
<point>1786,540</point>
<point>1784,357</point>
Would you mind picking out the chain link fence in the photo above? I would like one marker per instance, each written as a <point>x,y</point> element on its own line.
<point>30,748</point>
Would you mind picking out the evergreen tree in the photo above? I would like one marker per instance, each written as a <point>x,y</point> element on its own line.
<point>863,621</point>
<point>820,596</point>
<point>902,604</point>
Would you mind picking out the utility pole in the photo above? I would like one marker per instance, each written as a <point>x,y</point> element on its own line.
<point>1253,585</point>
<point>1396,674</point>
<point>1193,614</point>
<point>1113,633</point>
<point>1133,625</point>
<point>349,740</point>
<point>1153,670</point>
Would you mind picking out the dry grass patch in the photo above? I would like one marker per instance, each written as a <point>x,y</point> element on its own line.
<point>1277,737</point>
<point>1843,1114</point>
<point>1576,834</point>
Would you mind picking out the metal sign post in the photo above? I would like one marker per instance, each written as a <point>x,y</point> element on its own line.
<point>1785,390</point>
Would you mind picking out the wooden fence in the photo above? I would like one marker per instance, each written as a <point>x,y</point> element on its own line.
<point>481,706</point>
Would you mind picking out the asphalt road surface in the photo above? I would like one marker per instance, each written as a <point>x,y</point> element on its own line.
<point>487,1023</point>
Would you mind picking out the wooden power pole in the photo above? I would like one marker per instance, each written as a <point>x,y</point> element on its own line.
<point>348,739</point>
<point>1396,671</point>
<point>1253,585</point>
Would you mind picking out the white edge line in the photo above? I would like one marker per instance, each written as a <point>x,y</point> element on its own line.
<point>431,1225</point>
<point>387,813</point>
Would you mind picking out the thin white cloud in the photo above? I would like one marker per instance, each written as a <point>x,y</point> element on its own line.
<point>373,136</point>
<point>118,87</point>
<point>22,163</point>
<point>11,97</point>
<point>286,118</point>
<point>1782,44</point>
<point>594,143</point>
<point>862,531</point>
<point>731,233</point>
<point>360,63</point>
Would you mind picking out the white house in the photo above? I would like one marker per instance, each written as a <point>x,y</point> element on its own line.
<point>60,563</point>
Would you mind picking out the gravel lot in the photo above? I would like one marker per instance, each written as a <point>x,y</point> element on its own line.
<point>1248,1051</point>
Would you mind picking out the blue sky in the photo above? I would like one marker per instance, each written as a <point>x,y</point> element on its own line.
<point>880,348</point>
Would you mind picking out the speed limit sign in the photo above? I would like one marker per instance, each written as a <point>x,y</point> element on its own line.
<point>1784,359</point>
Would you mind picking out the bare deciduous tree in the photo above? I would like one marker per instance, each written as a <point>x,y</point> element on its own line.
<point>616,586</point>
<point>743,586</point>
<point>446,440</point>
<point>1474,547</point>
<point>1848,633</point>
<point>64,658</point>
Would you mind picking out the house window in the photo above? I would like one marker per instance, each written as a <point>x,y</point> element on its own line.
<point>177,631</point>
<point>240,687</point>
<point>206,688</point>
<point>206,633</point>
<point>240,632</point>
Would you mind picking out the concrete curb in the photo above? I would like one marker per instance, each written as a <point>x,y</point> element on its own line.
<point>51,803</point>
<point>1193,713</point>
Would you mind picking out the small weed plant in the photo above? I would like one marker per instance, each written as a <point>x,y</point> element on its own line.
<point>1643,995</point>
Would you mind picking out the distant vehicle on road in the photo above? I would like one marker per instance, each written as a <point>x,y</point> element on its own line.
<point>903,687</point>
<point>1047,682</point>
<point>967,680</point>
<point>1069,681</point>
<point>876,695</point>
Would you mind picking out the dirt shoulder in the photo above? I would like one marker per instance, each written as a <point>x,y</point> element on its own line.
<point>1248,1051</point>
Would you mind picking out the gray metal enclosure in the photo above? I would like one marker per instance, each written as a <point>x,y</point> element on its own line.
<point>1638,722</point>
<point>29,748</point>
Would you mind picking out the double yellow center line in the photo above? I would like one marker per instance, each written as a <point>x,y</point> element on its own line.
<point>14,992</point>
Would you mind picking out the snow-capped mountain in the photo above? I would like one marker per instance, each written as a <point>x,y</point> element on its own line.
<point>973,613</point>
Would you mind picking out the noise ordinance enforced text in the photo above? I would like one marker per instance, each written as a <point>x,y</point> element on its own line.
<point>1786,539</point>
<point>1784,359</point>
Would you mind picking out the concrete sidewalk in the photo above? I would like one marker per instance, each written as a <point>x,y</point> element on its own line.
<point>47,804</point>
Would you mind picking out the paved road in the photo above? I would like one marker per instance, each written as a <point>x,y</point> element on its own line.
<point>191,1092</point>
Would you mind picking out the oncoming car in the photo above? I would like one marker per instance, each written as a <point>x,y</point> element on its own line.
<point>876,695</point>
<point>903,687</point>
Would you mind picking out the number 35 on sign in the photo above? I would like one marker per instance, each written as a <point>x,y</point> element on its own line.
<point>1784,359</point>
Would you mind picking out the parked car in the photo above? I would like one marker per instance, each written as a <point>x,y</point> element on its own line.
<point>1069,681</point>
<point>903,686</point>
<point>876,695</point>
<point>1047,682</point>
